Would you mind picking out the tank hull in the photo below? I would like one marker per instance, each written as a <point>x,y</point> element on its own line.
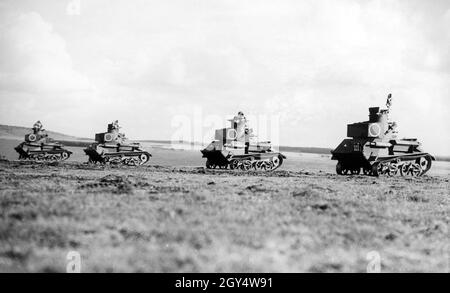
<point>43,152</point>
<point>379,157</point>
<point>117,155</point>
<point>112,147</point>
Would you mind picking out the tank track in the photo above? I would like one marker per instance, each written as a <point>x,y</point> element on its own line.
<point>249,163</point>
<point>128,159</point>
<point>46,156</point>
<point>132,158</point>
<point>414,167</point>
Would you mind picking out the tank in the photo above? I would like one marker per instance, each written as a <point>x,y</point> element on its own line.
<point>114,148</point>
<point>37,146</point>
<point>235,148</point>
<point>373,148</point>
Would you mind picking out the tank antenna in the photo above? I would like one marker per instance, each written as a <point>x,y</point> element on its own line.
<point>389,102</point>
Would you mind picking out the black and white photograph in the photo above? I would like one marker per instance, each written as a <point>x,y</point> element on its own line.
<point>251,137</point>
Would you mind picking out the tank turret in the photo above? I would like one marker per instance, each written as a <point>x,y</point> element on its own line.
<point>372,146</point>
<point>378,126</point>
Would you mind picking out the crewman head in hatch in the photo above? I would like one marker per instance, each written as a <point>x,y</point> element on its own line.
<point>115,125</point>
<point>37,126</point>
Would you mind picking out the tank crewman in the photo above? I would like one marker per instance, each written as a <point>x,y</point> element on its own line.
<point>121,138</point>
<point>39,130</point>
<point>115,125</point>
<point>240,124</point>
<point>115,128</point>
<point>392,126</point>
<point>40,133</point>
<point>389,102</point>
<point>37,127</point>
<point>242,129</point>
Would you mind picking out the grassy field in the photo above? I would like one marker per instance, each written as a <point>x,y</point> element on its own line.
<point>183,218</point>
<point>174,216</point>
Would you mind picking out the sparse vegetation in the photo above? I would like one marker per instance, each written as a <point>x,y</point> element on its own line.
<point>188,219</point>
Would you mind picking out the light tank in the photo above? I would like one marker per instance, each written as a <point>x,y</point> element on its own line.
<point>37,146</point>
<point>235,148</point>
<point>114,148</point>
<point>374,149</point>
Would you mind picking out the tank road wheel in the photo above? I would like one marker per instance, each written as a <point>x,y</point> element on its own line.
<point>124,160</point>
<point>276,162</point>
<point>382,168</point>
<point>134,161</point>
<point>404,169</point>
<point>415,170</point>
<point>367,171</point>
<point>64,156</point>
<point>143,158</point>
<point>127,161</point>
<point>393,169</point>
<point>263,165</point>
<point>339,168</point>
<point>342,168</point>
<point>209,165</point>
<point>234,164</point>
<point>425,163</point>
<point>246,165</point>
<point>356,171</point>
<point>412,169</point>
<point>116,160</point>
<point>376,168</point>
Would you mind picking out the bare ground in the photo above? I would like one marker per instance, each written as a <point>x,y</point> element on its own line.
<point>188,219</point>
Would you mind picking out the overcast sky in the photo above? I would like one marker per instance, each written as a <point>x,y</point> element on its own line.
<point>317,64</point>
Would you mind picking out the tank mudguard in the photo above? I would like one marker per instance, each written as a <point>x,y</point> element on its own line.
<point>21,151</point>
<point>216,157</point>
<point>93,155</point>
<point>347,147</point>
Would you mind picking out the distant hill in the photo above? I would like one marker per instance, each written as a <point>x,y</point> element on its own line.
<point>18,132</point>
<point>312,150</point>
<point>443,158</point>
